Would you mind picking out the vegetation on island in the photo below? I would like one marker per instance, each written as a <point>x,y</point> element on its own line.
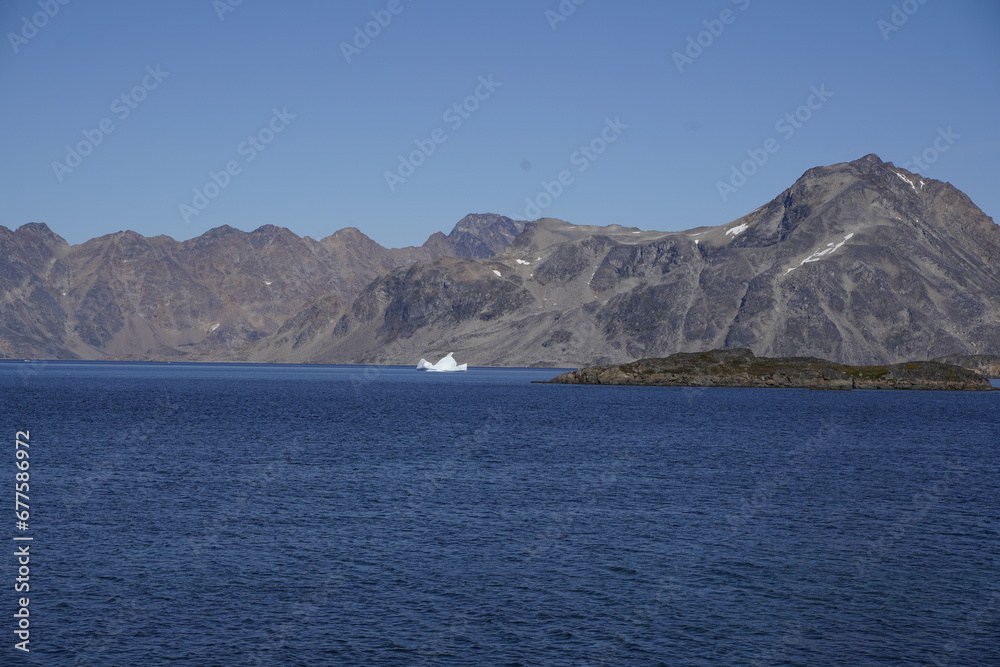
<point>741,368</point>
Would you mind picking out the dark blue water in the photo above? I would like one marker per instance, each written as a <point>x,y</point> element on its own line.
<point>289,515</point>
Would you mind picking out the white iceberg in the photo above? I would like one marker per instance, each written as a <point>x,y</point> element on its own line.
<point>447,363</point>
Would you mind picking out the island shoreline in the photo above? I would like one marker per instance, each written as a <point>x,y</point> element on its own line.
<point>740,368</point>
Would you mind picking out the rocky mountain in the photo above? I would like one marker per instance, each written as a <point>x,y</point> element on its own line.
<point>860,263</point>
<point>125,296</point>
<point>478,236</point>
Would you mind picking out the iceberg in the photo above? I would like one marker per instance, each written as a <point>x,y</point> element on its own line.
<point>447,363</point>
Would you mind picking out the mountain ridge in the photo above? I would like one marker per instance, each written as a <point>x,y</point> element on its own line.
<point>125,296</point>
<point>859,262</point>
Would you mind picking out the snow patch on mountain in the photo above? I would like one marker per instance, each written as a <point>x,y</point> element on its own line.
<point>908,181</point>
<point>820,254</point>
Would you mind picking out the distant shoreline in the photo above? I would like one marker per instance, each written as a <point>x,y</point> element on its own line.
<point>740,368</point>
<point>38,365</point>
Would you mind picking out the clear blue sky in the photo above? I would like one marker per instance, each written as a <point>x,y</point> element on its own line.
<point>894,92</point>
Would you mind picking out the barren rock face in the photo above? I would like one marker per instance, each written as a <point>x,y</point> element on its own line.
<point>860,263</point>
<point>125,296</point>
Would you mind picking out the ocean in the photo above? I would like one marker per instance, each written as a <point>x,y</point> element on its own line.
<point>236,514</point>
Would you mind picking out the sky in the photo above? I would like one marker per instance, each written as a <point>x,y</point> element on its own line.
<point>399,117</point>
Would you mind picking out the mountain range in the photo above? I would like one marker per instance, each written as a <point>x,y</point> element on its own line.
<point>125,296</point>
<point>860,263</point>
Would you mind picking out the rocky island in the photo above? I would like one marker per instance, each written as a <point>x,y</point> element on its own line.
<point>741,368</point>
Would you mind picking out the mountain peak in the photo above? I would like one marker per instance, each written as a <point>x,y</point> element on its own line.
<point>270,230</point>
<point>349,232</point>
<point>269,234</point>
<point>222,230</point>
<point>867,162</point>
<point>851,198</point>
<point>870,165</point>
<point>479,235</point>
<point>350,235</point>
<point>35,227</point>
<point>129,236</point>
<point>41,230</point>
<point>476,222</point>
